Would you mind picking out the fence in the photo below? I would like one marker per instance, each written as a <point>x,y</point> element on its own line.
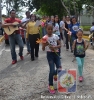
<point>86,20</point>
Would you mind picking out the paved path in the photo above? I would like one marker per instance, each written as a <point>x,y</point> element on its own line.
<point>28,80</point>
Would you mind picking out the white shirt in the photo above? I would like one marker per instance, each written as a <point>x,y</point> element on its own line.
<point>92,29</point>
<point>62,24</point>
<point>52,41</point>
<point>25,19</point>
<point>56,28</point>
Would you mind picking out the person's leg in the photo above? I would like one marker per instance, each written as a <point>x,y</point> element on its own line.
<point>71,43</point>
<point>12,47</point>
<point>51,67</point>
<point>67,40</point>
<point>28,46</point>
<point>43,31</point>
<point>36,45</point>
<point>79,62</point>
<point>61,34</point>
<point>20,43</point>
<point>57,62</point>
<point>59,48</point>
<point>82,60</point>
<point>27,43</point>
<point>64,39</point>
<point>31,40</point>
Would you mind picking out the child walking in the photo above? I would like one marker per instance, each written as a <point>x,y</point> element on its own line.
<point>80,46</point>
<point>52,45</point>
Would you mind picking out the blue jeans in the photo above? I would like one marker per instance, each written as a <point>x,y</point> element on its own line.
<point>19,40</point>
<point>80,62</point>
<point>27,43</point>
<point>44,31</point>
<point>53,60</point>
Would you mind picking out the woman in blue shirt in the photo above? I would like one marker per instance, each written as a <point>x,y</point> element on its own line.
<point>74,26</point>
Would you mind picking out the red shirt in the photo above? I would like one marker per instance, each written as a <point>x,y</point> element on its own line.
<point>12,20</point>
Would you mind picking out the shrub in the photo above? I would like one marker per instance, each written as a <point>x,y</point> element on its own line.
<point>85,28</point>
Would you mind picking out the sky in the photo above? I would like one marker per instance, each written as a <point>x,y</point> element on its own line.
<point>23,13</point>
<point>5,12</point>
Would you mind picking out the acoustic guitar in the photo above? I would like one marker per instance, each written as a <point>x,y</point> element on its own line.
<point>11,29</point>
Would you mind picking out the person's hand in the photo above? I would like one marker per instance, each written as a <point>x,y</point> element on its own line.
<point>43,48</point>
<point>46,44</point>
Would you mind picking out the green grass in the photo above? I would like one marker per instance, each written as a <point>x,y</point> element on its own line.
<point>85,28</point>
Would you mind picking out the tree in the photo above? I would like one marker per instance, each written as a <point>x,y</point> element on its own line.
<point>66,7</point>
<point>49,7</point>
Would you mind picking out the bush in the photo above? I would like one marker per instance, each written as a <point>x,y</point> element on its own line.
<point>85,28</point>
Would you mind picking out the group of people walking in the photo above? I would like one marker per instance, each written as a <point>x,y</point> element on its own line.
<point>53,31</point>
<point>68,30</point>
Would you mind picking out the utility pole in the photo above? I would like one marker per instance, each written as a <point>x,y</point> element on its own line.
<point>0,11</point>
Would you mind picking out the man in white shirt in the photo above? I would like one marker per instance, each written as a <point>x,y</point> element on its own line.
<point>27,18</point>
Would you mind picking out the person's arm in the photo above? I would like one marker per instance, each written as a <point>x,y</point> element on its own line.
<point>44,45</point>
<point>6,25</point>
<point>25,24</point>
<point>59,44</point>
<point>73,46</point>
<point>65,28</point>
<point>86,45</point>
<point>27,31</point>
<point>60,27</point>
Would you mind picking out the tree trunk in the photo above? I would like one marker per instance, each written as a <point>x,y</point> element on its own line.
<point>65,7</point>
<point>0,11</point>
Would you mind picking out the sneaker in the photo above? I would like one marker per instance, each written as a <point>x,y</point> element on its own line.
<point>51,89</point>
<point>14,62</point>
<point>21,57</point>
<point>55,77</point>
<point>80,79</point>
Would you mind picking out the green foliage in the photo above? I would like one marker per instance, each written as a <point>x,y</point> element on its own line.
<point>49,7</point>
<point>86,28</point>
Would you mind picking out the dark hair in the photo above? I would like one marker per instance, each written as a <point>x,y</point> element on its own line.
<point>79,30</point>
<point>92,23</point>
<point>49,24</point>
<point>12,10</point>
<point>72,18</point>
<point>57,22</point>
<point>34,15</point>
<point>27,12</point>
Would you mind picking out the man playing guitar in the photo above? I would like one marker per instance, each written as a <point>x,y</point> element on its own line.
<point>15,36</point>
